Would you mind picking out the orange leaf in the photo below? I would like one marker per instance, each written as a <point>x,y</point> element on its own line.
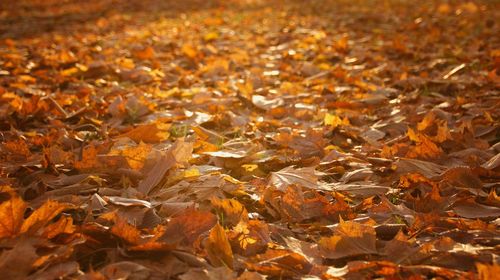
<point>89,158</point>
<point>281,263</point>
<point>63,225</point>
<point>351,239</point>
<point>218,247</point>
<point>487,271</point>
<point>424,148</point>
<point>135,156</point>
<point>41,216</point>
<point>189,51</point>
<point>126,231</point>
<point>145,53</point>
<point>11,216</point>
<point>149,133</point>
<point>186,228</point>
<point>232,210</point>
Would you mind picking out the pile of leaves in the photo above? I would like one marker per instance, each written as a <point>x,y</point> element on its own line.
<point>249,139</point>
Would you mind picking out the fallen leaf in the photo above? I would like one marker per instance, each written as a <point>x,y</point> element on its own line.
<point>11,216</point>
<point>126,231</point>
<point>276,262</point>
<point>43,215</point>
<point>187,227</point>
<point>218,247</point>
<point>149,133</point>
<point>305,177</point>
<point>350,239</point>
<point>230,210</point>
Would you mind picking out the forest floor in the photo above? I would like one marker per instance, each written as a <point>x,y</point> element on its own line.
<point>148,139</point>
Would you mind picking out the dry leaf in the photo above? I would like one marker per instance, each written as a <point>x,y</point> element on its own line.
<point>350,239</point>
<point>304,177</point>
<point>218,247</point>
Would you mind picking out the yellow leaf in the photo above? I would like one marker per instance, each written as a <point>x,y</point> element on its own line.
<point>192,172</point>
<point>250,167</point>
<point>211,36</point>
<point>70,71</point>
<point>334,120</point>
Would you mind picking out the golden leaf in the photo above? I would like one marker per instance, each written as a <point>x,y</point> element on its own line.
<point>218,247</point>
<point>11,216</point>
<point>43,215</point>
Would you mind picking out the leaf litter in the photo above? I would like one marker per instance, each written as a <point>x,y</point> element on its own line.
<point>249,139</point>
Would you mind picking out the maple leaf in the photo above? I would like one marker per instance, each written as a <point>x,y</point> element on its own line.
<point>180,152</point>
<point>149,133</point>
<point>43,215</point>
<point>187,227</point>
<point>249,238</point>
<point>334,121</point>
<point>230,139</point>
<point>63,225</point>
<point>276,262</point>
<point>461,177</point>
<point>11,216</point>
<point>350,239</point>
<point>425,147</point>
<point>231,211</point>
<point>126,231</point>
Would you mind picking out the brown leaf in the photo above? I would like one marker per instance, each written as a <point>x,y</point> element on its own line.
<point>125,270</point>
<point>493,163</point>
<point>470,209</point>
<point>426,168</point>
<point>304,177</point>
<point>401,249</point>
<point>155,175</point>
<point>17,263</point>
<point>462,177</point>
<point>217,273</point>
<point>187,227</point>
<point>144,53</point>
<point>57,271</point>
<point>249,238</point>
<point>180,152</point>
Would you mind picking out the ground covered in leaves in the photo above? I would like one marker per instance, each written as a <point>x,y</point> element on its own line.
<point>249,139</point>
